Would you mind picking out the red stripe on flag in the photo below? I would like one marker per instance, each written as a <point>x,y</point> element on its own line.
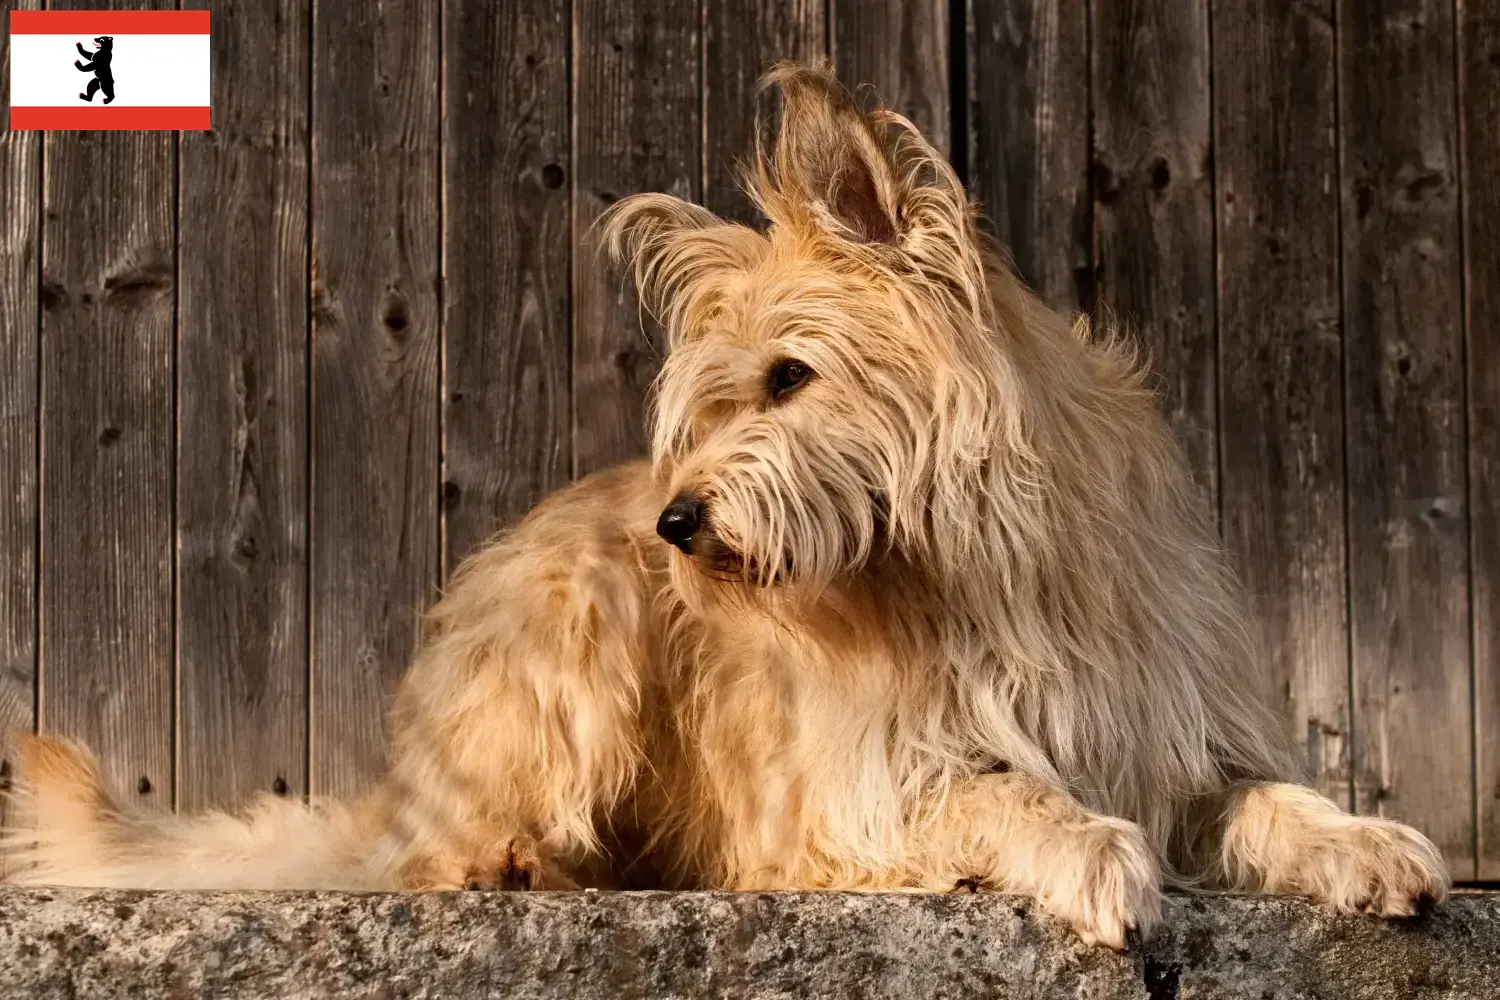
<point>187,119</point>
<point>109,22</point>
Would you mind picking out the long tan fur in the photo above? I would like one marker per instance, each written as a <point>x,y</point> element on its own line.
<point>954,617</point>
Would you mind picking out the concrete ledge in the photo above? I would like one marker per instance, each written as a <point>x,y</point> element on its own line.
<point>654,946</point>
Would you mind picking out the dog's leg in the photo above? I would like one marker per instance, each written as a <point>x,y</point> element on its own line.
<point>501,787</point>
<point>519,727</point>
<point>1014,833</point>
<point>1289,839</point>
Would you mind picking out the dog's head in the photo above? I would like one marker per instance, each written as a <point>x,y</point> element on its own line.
<point>828,391</point>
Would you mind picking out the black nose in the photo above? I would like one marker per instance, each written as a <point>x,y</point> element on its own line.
<point>680,521</point>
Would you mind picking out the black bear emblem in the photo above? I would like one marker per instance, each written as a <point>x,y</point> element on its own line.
<point>104,77</point>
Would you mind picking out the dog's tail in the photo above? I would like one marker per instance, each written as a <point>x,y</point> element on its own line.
<point>77,836</point>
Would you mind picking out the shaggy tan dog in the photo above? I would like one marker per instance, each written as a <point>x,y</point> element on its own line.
<point>915,593</point>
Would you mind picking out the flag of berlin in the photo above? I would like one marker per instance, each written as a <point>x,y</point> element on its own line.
<point>109,69</point>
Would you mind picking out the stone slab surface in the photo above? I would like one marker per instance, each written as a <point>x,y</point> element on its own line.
<point>69,943</point>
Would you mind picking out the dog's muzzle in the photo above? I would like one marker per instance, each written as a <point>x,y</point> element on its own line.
<point>680,521</point>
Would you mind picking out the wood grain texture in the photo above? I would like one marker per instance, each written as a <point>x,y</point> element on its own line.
<point>1028,138</point>
<point>636,127</point>
<point>20,176</point>
<point>1280,359</point>
<point>242,432</point>
<point>506,407</point>
<point>1479,94</point>
<point>1404,354</point>
<point>899,48</point>
<point>1153,203</point>
<point>742,41</point>
<point>108,294</point>
<point>374,534</point>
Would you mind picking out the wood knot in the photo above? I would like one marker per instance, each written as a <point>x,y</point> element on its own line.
<point>1161,174</point>
<point>247,548</point>
<point>137,285</point>
<point>396,319</point>
<point>628,363</point>
<point>54,295</point>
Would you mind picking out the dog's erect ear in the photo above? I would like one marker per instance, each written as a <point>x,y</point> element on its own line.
<point>680,252</point>
<point>634,225</point>
<point>830,160</point>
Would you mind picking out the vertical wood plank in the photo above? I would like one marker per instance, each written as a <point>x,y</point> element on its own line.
<point>1153,202</point>
<point>375,381</point>
<point>636,127</point>
<point>900,48</point>
<point>1280,358</point>
<point>507,251</point>
<point>1479,94</point>
<point>107,424</point>
<point>242,432</point>
<point>1403,351</point>
<point>19,249</point>
<point>108,284</point>
<point>742,42</point>
<point>1028,122</point>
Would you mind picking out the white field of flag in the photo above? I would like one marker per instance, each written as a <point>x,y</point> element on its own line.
<point>156,70</point>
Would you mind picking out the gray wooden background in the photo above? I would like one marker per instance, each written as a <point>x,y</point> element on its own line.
<point>262,387</point>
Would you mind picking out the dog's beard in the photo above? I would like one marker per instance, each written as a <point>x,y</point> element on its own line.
<point>761,540</point>
<point>718,561</point>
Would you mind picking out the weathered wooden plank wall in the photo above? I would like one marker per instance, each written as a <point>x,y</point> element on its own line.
<point>242,566</point>
<point>375,237</point>
<point>106,651</point>
<point>507,252</point>
<point>900,48</point>
<point>263,387</point>
<point>1404,414</point>
<point>20,252</point>
<point>1280,363</point>
<point>1027,120</point>
<point>637,126</point>
<point>1153,202</point>
<point>1479,123</point>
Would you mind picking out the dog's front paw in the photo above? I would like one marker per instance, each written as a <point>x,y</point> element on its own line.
<point>1378,866</point>
<point>1109,887</point>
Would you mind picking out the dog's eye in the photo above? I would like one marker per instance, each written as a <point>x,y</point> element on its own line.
<point>787,377</point>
